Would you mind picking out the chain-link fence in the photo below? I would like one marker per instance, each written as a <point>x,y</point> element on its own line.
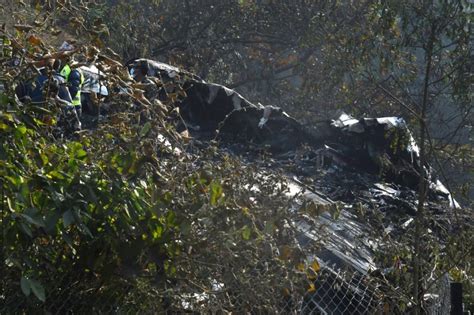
<point>440,297</point>
<point>81,294</point>
<point>336,287</point>
<point>339,292</point>
<point>336,292</point>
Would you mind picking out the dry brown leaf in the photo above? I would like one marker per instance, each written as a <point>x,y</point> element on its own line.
<point>185,134</point>
<point>312,287</point>
<point>315,266</point>
<point>138,85</point>
<point>113,53</point>
<point>35,41</point>
<point>285,252</point>
<point>159,104</point>
<point>23,27</point>
<point>139,96</point>
<point>109,61</point>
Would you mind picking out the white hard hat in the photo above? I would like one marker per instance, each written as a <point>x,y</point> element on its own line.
<point>65,46</point>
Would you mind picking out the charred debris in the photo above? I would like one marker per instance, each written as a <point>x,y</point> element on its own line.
<point>382,150</point>
<point>351,171</point>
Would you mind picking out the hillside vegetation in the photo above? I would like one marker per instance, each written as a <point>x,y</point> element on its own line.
<point>131,215</point>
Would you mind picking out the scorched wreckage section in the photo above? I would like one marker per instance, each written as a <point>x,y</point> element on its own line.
<point>382,146</point>
<point>335,169</point>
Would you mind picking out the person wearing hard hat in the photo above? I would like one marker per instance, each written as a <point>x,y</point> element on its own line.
<point>74,78</point>
<point>7,49</point>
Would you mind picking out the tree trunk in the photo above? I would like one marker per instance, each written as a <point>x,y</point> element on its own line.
<point>423,185</point>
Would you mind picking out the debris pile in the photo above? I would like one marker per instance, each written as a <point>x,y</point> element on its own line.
<point>343,173</point>
<point>381,146</point>
<point>382,149</point>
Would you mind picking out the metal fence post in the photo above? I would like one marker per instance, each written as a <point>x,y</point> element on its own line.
<point>456,298</point>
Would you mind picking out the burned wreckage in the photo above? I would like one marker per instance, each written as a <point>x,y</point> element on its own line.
<point>337,168</point>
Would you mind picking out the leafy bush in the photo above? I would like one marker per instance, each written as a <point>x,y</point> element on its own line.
<point>129,214</point>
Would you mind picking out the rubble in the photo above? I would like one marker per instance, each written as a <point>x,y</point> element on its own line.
<point>94,81</point>
<point>339,171</point>
<point>211,109</point>
<point>382,146</point>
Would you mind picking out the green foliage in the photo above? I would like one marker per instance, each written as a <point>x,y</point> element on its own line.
<point>61,206</point>
<point>112,211</point>
<point>28,285</point>
<point>126,216</point>
<point>146,225</point>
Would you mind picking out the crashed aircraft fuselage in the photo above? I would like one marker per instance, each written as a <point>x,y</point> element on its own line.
<point>349,161</point>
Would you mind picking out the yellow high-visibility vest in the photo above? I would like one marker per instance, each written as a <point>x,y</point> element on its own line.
<point>65,72</point>
<point>7,49</point>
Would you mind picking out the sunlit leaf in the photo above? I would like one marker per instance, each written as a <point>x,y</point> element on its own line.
<point>21,129</point>
<point>157,232</point>
<point>315,266</point>
<point>145,129</point>
<point>311,288</point>
<point>216,193</point>
<point>301,266</point>
<point>246,232</point>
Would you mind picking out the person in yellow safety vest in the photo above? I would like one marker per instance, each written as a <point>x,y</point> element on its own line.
<point>75,80</point>
<point>7,49</point>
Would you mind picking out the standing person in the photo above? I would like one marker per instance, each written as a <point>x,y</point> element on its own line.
<point>7,49</point>
<point>49,86</point>
<point>74,78</point>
